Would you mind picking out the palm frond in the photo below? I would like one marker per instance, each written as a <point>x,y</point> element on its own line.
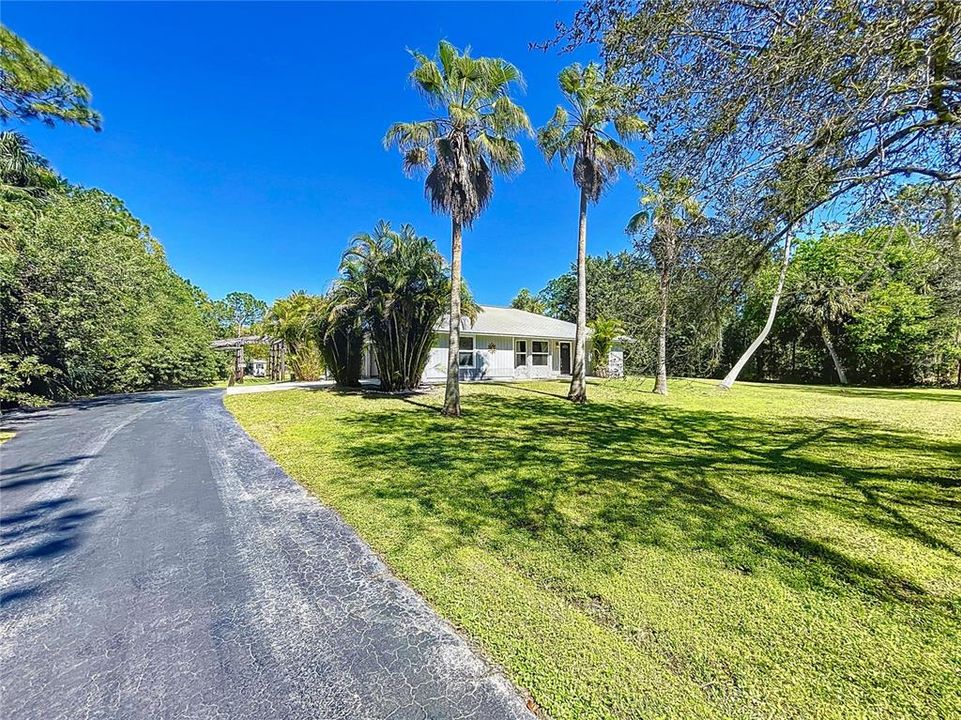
<point>498,75</point>
<point>415,159</point>
<point>446,54</point>
<point>571,79</point>
<point>504,154</point>
<point>614,156</point>
<point>554,138</point>
<point>407,135</point>
<point>427,78</point>
<point>509,118</point>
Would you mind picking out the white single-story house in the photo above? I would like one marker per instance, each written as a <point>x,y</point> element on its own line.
<point>506,344</point>
<point>256,368</point>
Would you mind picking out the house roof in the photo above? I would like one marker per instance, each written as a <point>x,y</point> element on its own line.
<point>493,320</point>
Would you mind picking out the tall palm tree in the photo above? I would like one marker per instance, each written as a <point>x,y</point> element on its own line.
<point>668,208</point>
<point>470,137</point>
<point>581,132</point>
<point>822,303</point>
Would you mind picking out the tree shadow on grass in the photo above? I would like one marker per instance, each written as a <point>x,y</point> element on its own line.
<point>528,467</point>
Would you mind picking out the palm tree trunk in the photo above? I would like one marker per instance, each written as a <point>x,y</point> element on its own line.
<point>660,384</point>
<point>826,336</point>
<point>731,377</point>
<point>452,395</point>
<point>578,391</point>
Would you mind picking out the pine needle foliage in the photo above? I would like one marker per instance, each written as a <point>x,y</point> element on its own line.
<point>32,88</point>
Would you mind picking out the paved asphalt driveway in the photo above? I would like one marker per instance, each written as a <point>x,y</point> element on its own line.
<point>157,564</point>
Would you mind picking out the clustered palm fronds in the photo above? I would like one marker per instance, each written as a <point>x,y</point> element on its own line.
<point>394,285</point>
<point>581,132</point>
<point>294,319</point>
<point>24,175</point>
<point>668,208</point>
<point>604,333</point>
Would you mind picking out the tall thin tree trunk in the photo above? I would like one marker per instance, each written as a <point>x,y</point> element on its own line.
<point>452,396</point>
<point>578,391</point>
<point>660,384</point>
<point>731,377</point>
<point>826,336</point>
<point>958,338</point>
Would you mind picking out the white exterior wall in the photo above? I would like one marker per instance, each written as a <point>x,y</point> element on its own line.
<point>497,362</point>
<point>437,363</point>
<point>493,359</point>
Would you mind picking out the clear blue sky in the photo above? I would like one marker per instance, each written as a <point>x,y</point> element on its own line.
<point>248,136</point>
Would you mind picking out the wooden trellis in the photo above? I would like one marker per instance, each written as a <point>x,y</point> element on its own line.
<point>276,359</point>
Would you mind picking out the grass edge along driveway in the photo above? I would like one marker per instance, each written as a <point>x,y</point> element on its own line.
<point>774,551</point>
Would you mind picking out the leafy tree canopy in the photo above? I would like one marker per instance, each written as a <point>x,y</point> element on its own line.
<point>526,300</point>
<point>780,108</point>
<point>873,297</point>
<point>239,313</point>
<point>89,305</point>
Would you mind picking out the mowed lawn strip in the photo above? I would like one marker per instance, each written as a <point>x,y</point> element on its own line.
<point>773,551</point>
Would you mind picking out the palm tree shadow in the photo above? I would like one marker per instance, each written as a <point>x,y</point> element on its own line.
<point>662,478</point>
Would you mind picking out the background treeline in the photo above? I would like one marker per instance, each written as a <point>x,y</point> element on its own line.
<point>886,301</point>
<point>88,303</point>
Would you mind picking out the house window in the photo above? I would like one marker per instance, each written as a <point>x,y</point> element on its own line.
<point>520,353</point>
<point>540,353</point>
<point>465,357</point>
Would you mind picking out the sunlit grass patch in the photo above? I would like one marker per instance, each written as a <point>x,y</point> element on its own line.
<point>773,551</point>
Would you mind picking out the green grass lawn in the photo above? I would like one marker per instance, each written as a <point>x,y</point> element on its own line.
<point>770,552</point>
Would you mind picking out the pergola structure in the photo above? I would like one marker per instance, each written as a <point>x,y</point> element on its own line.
<point>276,355</point>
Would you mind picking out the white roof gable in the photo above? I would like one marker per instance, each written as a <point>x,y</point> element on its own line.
<point>494,320</point>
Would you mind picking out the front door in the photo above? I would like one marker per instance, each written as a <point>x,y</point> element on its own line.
<point>565,358</point>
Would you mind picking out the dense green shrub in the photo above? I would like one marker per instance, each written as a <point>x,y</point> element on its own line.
<point>89,304</point>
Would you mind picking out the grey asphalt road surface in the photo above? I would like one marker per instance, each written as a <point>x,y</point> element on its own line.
<point>157,564</point>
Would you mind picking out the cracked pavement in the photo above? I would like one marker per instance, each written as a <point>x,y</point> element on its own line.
<point>157,564</point>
